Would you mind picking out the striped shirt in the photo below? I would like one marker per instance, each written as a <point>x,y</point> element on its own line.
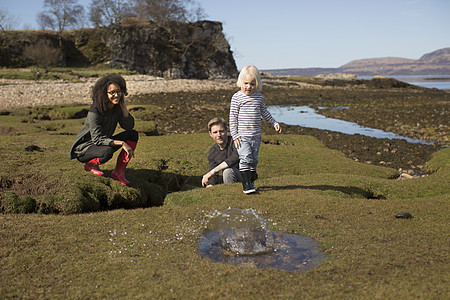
<point>246,113</point>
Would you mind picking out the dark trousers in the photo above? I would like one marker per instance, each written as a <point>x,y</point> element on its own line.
<point>105,153</point>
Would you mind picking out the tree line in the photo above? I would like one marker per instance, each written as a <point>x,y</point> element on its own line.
<point>60,15</point>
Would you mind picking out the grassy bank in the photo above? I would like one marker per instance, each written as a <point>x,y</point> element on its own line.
<point>90,237</point>
<point>305,188</point>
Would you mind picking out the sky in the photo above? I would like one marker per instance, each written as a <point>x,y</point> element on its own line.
<point>280,34</point>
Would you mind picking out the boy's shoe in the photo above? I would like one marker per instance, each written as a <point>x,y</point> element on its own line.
<point>253,186</point>
<point>247,184</point>
<point>253,175</point>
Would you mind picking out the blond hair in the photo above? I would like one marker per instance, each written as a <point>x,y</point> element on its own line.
<point>252,71</point>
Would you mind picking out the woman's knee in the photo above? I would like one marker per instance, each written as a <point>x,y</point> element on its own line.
<point>134,136</point>
<point>106,155</point>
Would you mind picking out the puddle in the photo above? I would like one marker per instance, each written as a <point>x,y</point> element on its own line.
<point>241,237</point>
<point>306,116</point>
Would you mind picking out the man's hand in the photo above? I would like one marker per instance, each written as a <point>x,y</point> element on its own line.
<point>205,179</point>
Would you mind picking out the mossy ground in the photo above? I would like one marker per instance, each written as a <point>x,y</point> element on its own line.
<point>151,252</point>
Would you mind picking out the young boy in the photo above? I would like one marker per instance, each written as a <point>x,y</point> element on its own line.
<point>246,111</point>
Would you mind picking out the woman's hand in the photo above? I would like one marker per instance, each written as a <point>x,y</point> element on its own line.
<point>127,148</point>
<point>123,107</point>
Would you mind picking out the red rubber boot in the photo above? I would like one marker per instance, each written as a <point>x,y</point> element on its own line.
<point>92,166</point>
<point>122,162</point>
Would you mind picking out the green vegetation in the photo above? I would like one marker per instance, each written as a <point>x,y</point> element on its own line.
<point>59,73</point>
<point>61,251</point>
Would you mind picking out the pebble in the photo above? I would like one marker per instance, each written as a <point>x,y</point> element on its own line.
<point>403,215</point>
<point>25,93</point>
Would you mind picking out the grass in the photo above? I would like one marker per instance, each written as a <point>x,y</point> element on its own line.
<point>150,252</point>
<point>57,73</point>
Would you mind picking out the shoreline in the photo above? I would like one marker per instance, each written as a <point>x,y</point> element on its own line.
<point>24,93</point>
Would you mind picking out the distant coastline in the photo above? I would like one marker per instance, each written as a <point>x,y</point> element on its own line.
<point>436,63</point>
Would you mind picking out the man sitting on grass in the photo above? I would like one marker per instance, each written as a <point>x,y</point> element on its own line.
<point>222,156</point>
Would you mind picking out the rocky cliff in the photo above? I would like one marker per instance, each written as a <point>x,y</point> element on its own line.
<point>177,50</point>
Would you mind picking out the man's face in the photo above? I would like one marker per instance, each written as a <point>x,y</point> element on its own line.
<point>219,134</point>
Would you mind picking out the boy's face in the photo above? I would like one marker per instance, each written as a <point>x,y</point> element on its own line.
<point>219,134</point>
<point>249,85</point>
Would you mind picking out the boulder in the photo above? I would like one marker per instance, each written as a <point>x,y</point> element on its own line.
<point>176,50</point>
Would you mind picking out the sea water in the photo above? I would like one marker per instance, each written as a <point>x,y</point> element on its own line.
<point>441,82</point>
<point>306,116</point>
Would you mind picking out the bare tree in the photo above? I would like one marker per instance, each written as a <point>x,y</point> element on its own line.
<point>60,15</point>
<point>195,12</point>
<point>108,12</point>
<point>167,10</point>
<point>7,21</point>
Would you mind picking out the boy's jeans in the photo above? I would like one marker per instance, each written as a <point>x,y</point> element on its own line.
<point>248,152</point>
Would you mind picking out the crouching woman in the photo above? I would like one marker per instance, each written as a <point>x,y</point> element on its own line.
<point>96,143</point>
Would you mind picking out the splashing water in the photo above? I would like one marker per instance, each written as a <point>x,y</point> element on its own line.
<point>240,236</point>
<point>242,231</point>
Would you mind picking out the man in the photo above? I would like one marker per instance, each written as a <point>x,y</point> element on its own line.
<point>222,156</point>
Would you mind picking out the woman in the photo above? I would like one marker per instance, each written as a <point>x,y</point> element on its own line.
<point>96,143</point>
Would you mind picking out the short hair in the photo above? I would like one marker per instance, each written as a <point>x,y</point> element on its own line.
<point>216,121</point>
<point>253,71</point>
<point>99,91</point>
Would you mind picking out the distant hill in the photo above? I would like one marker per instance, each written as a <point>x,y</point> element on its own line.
<point>434,63</point>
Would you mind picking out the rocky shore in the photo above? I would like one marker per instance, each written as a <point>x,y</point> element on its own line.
<point>187,105</point>
<point>25,93</point>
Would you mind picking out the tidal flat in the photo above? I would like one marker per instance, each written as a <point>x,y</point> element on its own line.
<point>67,234</point>
<point>385,104</point>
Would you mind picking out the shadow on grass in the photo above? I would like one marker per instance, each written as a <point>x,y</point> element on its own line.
<point>90,193</point>
<point>170,182</point>
<point>349,190</point>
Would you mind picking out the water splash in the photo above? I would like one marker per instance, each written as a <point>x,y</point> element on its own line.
<point>241,237</point>
<point>242,231</point>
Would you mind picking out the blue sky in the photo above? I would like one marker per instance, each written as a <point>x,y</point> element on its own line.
<point>275,34</point>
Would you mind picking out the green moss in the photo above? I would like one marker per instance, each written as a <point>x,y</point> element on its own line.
<point>440,160</point>
<point>14,204</point>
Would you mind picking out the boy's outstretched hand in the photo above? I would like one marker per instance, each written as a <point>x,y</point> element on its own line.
<point>278,128</point>
<point>237,142</point>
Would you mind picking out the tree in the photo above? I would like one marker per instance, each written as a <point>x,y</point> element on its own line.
<point>108,12</point>
<point>7,21</point>
<point>60,15</point>
<point>168,10</point>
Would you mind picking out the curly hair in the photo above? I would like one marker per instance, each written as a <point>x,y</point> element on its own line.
<point>99,91</point>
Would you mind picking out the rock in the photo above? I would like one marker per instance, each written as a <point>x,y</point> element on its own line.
<point>177,50</point>
<point>32,148</point>
<point>403,215</point>
<point>405,176</point>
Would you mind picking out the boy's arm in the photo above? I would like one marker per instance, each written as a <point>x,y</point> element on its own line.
<point>234,112</point>
<point>268,117</point>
